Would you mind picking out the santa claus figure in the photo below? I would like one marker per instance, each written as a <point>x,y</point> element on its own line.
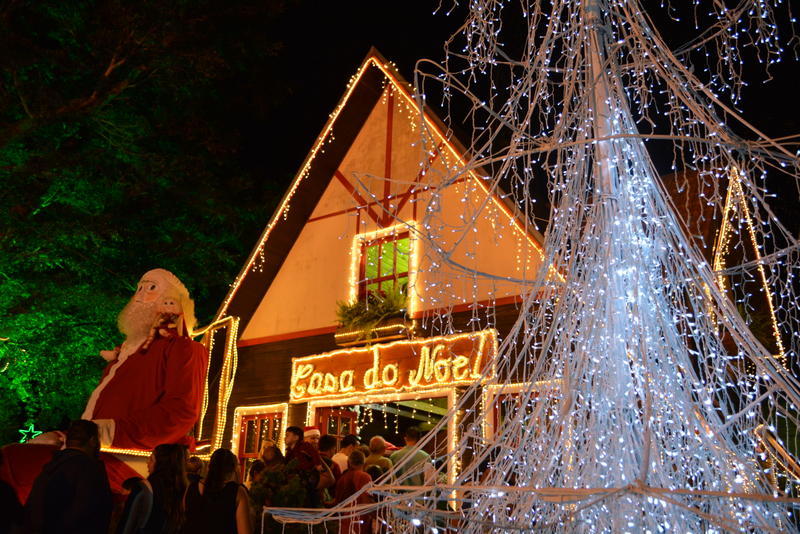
<point>151,390</point>
<point>152,387</point>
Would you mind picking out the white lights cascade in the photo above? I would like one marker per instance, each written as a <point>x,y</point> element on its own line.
<point>670,414</point>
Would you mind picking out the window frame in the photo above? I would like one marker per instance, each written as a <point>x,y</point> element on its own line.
<point>363,282</point>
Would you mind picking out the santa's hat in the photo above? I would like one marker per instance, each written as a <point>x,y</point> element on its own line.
<point>310,431</point>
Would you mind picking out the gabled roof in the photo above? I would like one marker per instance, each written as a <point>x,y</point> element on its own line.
<point>363,92</point>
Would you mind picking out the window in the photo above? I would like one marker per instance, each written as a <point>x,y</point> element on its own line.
<point>337,422</point>
<point>255,430</point>
<point>384,265</point>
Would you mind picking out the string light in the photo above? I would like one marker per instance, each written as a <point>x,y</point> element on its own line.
<point>407,365</point>
<point>239,412</point>
<point>230,361</point>
<point>735,198</point>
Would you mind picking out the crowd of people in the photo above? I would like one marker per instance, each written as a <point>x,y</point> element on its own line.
<point>313,474</point>
<point>182,494</point>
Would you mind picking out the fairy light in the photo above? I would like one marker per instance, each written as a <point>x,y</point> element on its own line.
<point>735,192</point>
<point>262,409</point>
<point>428,363</point>
<point>231,324</point>
<point>227,375</point>
<point>230,362</point>
<point>778,453</point>
<point>129,452</point>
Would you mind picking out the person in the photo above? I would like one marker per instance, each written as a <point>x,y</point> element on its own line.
<point>418,468</point>
<point>194,469</point>
<point>137,508</point>
<point>350,483</point>
<point>349,444</point>
<point>377,449</point>
<point>10,507</point>
<point>256,474</point>
<point>219,504</point>
<point>152,388</point>
<point>306,455</point>
<point>72,493</point>
<point>167,467</point>
<point>272,456</point>
<point>373,471</point>
<point>327,445</point>
<point>304,459</point>
<point>264,489</point>
<point>312,434</point>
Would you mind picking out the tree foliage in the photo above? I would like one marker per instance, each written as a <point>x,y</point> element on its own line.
<point>120,132</point>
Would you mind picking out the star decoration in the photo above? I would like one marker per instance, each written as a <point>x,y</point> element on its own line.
<point>29,433</point>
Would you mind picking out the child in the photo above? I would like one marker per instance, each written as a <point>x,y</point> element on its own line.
<point>348,485</point>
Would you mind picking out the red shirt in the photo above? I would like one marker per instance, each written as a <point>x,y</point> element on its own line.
<point>306,454</point>
<point>349,483</point>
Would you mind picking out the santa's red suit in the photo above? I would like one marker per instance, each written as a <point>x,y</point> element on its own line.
<point>154,395</point>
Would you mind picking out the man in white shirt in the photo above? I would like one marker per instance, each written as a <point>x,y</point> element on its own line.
<point>349,444</point>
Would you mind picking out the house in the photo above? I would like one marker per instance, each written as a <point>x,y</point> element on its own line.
<point>380,206</point>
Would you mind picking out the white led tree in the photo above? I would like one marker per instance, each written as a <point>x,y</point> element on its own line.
<point>645,403</point>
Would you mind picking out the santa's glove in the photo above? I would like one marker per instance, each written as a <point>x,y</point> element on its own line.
<point>106,428</point>
<point>110,355</point>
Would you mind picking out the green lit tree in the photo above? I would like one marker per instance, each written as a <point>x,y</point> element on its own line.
<point>119,152</point>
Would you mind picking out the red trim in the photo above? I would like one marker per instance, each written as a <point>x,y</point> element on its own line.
<point>333,214</point>
<point>356,195</point>
<point>387,174</point>
<point>405,197</point>
<point>288,335</point>
<point>375,203</point>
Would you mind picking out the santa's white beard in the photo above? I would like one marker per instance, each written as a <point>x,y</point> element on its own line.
<point>136,319</point>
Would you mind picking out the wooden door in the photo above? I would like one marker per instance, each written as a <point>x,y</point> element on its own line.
<point>337,422</point>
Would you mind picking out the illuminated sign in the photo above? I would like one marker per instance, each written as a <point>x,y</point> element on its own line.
<point>409,365</point>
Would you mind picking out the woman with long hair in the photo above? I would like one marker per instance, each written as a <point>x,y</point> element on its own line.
<point>219,504</point>
<point>272,456</point>
<point>167,466</point>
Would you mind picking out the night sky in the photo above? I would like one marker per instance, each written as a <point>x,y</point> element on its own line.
<point>324,43</point>
<point>322,46</point>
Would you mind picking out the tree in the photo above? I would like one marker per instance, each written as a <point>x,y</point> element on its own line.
<point>121,130</point>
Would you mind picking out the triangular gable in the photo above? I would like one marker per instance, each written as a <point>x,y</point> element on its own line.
<point>322,179</point>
